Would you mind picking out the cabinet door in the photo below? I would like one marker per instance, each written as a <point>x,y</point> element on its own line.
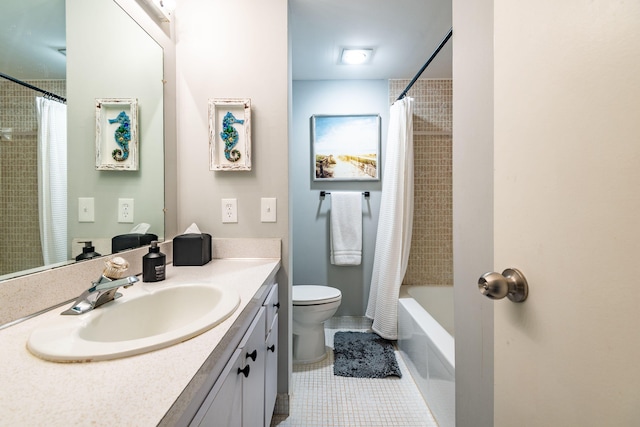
<point>223,405</point>
<point>271,372</point>
<point>253,356</point>
<point>271,304</point>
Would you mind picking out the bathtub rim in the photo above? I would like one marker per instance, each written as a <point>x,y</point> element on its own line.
<point>437,335</point>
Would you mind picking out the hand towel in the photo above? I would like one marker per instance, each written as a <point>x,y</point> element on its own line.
<point>345,229</point>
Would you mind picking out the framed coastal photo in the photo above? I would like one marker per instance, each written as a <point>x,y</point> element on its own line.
<point>345,147</point>
<point>117,134</point>
<point>230,134</point>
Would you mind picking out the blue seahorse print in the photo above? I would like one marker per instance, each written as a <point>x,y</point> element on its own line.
<point>122,136</point>
<point>229,135</point>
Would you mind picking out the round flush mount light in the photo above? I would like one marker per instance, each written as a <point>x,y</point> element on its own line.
<point>357,56</point>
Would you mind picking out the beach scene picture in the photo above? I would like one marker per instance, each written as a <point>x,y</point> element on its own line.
<point>345,147</point>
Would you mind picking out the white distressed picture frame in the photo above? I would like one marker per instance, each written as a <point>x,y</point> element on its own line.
<point>107,114</point>
<point>238,158</point>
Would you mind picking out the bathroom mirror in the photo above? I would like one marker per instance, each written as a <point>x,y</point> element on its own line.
<point>108,55</point>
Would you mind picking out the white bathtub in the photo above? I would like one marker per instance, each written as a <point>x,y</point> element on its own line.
<point>427,346</point>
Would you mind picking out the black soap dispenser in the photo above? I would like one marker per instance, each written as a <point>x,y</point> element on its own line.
<point>153,264</point>
<point>88,252</point>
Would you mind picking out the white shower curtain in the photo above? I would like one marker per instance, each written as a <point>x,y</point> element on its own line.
<point>52,179</point>
<point>395,224</point>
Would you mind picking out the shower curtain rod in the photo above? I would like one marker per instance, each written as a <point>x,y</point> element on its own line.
<point>47,94</point>
<point>426,64</point>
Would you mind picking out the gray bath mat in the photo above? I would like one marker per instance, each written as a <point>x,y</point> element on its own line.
<point>363,355</point>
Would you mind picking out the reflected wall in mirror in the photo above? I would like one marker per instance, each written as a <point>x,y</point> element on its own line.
<point>108,56</point>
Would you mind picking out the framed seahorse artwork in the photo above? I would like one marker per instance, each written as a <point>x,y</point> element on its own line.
<point>117,134</point>
<point>230,134</point>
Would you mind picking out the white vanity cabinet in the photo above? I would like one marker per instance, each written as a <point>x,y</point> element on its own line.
<point>271,305</point>
<point>253,358</point>
<point>223,405</point>
<point>244,394</point>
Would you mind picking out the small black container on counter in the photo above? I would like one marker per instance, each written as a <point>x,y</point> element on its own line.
<point>88,252</point>
<point>153,264</point>
<point>127,241</point>
<point>191,249</point>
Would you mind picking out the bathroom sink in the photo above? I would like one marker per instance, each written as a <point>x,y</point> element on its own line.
<point>144,320</point>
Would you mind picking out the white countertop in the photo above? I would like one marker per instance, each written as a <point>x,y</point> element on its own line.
<point>132,391</point>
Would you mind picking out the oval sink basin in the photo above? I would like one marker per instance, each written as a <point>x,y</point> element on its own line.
<point>137,323</point>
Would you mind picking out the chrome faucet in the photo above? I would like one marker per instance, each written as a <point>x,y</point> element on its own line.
<point>102,291</point>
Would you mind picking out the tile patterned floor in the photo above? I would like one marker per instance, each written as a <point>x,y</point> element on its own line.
<point>321,399</point>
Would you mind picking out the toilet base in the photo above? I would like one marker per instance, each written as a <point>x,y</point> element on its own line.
<point>309,346</point>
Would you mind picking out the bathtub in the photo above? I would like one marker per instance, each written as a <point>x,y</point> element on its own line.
<point>426,343</point>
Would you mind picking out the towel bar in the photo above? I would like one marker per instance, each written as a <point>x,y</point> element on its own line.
<point>366,194</point>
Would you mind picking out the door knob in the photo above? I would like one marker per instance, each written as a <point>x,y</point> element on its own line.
<point>511,284</point>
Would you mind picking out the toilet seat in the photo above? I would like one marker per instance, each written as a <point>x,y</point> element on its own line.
<point>315,295</point>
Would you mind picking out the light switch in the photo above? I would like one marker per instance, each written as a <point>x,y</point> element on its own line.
<point>86,209</point>
<point>268,209</point>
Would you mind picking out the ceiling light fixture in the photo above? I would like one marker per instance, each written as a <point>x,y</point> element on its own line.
<point>357,56</point>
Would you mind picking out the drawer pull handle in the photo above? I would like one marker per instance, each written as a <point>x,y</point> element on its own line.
<point>276,305</point>
<point>244,371</point>
<point>272,348</point>
<point>253,355</point>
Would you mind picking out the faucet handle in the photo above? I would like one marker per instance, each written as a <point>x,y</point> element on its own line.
<point>104,283</point>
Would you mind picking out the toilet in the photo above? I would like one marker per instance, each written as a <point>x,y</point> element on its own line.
<point>312,306</point>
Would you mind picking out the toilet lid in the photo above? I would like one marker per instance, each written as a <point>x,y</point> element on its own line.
<point>314,295</point>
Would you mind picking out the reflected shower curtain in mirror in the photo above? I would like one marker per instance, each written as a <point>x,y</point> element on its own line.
<point>52,179</point>
<point>395,225</point>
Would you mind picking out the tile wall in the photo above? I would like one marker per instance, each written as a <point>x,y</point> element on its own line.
<point>431,258</point>
<point>20,245</point>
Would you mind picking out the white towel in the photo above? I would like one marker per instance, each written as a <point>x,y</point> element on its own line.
<point>345,230</point>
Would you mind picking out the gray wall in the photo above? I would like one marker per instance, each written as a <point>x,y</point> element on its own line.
<point>236,49</point>
<point>310,220</point>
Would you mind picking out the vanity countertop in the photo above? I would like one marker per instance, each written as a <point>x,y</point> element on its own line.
<point>132,391</point>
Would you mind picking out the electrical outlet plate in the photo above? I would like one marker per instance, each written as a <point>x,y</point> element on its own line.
<point>229,210</point>
<point>125,210</point>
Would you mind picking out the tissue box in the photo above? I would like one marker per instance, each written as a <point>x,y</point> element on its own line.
<point>191,249</point>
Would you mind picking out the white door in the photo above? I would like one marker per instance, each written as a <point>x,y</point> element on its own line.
<point>567,211</point>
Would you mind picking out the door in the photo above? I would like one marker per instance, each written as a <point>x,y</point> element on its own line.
<point>567,211</point>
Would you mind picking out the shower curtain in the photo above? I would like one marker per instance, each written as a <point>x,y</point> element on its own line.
<point>395,224</point>
<point>52,179</point>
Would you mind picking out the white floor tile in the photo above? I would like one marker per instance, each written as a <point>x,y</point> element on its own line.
<point>321,399</point>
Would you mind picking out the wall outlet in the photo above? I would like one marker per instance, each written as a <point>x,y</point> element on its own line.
<point>268,209</point>
<point>229,210</point>
<point>125,210</point>
<point>86,209</point>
